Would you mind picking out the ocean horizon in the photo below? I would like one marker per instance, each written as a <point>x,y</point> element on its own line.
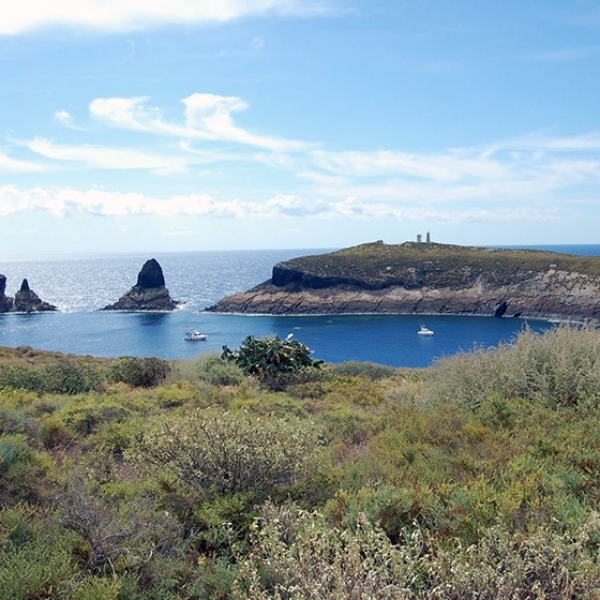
<point>81,285</point>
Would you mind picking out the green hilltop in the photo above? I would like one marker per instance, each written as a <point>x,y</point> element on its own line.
<point>414,264</point>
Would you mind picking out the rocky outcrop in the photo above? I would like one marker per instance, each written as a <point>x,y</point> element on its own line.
<point>6,303</point>
<point>25,300</point>
<point>428,279</point>
<point>148,294</point>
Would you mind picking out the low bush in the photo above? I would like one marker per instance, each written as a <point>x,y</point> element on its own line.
<point>229,453</point>
<point>214,370</point>
<point>139,372</point>
<point>363,369</point>
<point>561,367</point>
<point>296,554</point>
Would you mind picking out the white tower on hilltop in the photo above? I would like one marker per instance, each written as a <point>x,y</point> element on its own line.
<point>428,238</point>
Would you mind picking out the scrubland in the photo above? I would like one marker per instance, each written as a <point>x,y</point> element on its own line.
<point>478,477</point>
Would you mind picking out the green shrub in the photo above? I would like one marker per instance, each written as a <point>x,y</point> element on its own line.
<point>139,372</point>
<point>363,369</point>
<point>71,377</point>
<point>561,367</point>
<point>36,555</point>
<point>229,453</point>
<point>296,554</point>
<point>216,371</point>
<point>63,376</point>
<point>275,362</point>
<point>21,471</point>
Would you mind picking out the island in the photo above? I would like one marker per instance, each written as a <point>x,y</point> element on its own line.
<point>25,300</point>
<point>428,278</point>
<point>149,294</point>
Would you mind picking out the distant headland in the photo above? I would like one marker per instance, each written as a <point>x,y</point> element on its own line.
<point>428,278</point>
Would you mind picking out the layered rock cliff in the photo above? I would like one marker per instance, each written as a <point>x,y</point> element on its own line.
<point>148,294</point>
<point>428,278</point>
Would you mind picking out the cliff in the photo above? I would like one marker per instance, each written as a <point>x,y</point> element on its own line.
<point>148,294</point>
<point>428,278</point>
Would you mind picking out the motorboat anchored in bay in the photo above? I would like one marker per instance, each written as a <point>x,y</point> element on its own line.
<point>195,336</point>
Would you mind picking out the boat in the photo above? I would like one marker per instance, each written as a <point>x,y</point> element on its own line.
<point>425,330</point>
<point>195,336</point>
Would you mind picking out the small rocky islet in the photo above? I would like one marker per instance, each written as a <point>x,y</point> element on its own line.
<point>148,294</point>
<point>25,300</point>
<point>428,278</point>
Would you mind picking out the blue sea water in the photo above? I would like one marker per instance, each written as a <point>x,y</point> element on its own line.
<point>81,285</point>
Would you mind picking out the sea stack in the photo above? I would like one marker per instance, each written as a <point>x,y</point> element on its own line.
<point>6,303</point>
<point>27,301</point>
<point>148,294</point>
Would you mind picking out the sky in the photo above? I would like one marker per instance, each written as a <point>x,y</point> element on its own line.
<point>184,125</point>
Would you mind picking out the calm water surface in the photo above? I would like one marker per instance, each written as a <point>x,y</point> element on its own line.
<point>80,286</point>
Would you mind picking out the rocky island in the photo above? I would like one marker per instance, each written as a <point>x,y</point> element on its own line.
<point>25,300</point>
<point>428,278</point>
<point>148,294</point>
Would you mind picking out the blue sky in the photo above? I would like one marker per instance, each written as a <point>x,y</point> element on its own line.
<point>184,125</point>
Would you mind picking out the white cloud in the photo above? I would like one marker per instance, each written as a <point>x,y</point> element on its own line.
<point>100,157</point>
<point>133,15</point>
<point>68,202</point>
<point>13,165</point>
<point>206,117</point>
<point>451,166</point>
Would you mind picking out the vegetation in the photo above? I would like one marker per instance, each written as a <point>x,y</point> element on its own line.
<point>275,362</point>
<point>415,265</point>
<point>144,479</point>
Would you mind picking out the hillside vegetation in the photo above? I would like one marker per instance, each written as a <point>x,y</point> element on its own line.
<point>229,478</point>
<point>414,265</point>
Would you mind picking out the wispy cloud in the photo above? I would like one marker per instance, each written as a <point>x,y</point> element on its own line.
<point>100,157</point>
<point>207,117</point>
<point>13,165</point>
<point>134,15</point>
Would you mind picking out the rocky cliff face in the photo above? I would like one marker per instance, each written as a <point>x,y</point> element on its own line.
<point>25,300</point>
<point>148,294</point>
<point>437,279</point>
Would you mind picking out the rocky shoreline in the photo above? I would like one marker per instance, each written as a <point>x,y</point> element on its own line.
<point>428,279</point>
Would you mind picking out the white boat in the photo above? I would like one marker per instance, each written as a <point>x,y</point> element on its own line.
<point>425,330</point>
<point>194,336</point>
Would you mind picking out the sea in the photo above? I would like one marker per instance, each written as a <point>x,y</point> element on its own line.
<point>80,286</point>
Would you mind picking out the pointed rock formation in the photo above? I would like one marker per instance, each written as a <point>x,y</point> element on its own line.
<point>148,294</point>
<point>6,303</point>
<point>27,301</point>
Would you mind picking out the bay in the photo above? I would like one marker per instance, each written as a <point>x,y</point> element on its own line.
<point>81,285</point>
